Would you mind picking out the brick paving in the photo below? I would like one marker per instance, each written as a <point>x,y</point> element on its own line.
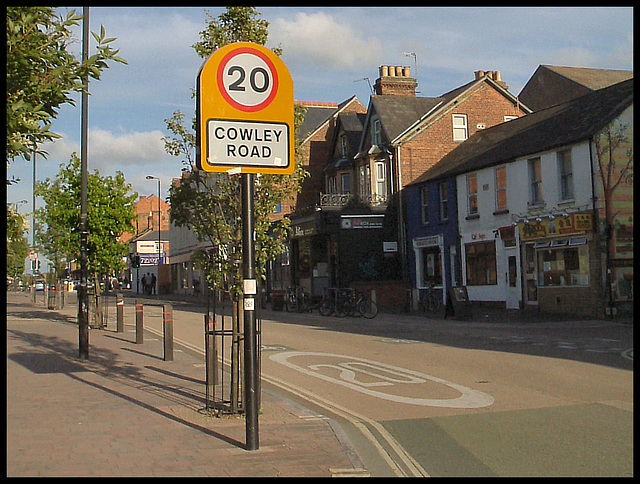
<point>126,412</point>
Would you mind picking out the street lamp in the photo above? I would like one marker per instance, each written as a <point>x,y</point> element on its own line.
<point>15,204</point>
<point>151,177</point>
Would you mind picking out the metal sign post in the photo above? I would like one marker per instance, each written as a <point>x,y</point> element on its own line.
<point>249,289</point>
<point>245,126</point>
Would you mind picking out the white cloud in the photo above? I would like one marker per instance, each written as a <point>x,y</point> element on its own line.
<point>319,39</point>
<point>107,148</point>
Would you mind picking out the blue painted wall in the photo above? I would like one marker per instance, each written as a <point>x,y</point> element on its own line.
<point>447,229</point>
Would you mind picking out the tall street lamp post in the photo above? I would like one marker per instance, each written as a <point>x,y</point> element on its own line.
<point>151,177</point>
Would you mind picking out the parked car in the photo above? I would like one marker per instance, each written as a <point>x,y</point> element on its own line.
<point>39,285</point>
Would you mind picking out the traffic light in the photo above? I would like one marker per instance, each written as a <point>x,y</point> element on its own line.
<point>135,260</point>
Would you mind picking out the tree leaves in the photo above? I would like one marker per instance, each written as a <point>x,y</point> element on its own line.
<point>41,73</point>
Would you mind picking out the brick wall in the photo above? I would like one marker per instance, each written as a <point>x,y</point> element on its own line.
<point>483,106</point>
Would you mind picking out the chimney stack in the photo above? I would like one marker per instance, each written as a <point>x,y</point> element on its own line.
<point>494,75</point>
<point>395,81</point>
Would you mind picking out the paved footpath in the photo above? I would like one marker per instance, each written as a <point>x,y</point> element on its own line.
<point>127,412</point>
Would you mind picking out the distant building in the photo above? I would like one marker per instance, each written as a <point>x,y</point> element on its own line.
<point>551,85</point>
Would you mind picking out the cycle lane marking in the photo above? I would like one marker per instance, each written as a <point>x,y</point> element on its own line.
<point>385,376</point>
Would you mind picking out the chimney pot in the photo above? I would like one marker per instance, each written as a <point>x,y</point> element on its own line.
<point>384,71</point>
<point>399,71</point>
<point>406,71</point>
<point>479,75</point>
<point>392,71</point>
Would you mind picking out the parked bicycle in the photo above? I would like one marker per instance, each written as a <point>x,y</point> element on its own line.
<point>347,302</point>
<point>431,301</point>
<point>297,301</point>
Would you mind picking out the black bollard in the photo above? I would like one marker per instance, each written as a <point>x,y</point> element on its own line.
<point>139,322</point>
<point>167,328</point>
<point>119,313</point>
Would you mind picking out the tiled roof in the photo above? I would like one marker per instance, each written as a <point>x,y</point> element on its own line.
<point>549,128</point>
<point>551,85</point>
<point>397,113</point>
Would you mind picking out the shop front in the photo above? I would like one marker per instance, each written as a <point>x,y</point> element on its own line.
<point>562,265</point>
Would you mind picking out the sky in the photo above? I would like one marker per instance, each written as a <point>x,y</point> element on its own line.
<point>332,53</point>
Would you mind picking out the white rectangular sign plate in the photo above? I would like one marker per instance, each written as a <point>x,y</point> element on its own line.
<point>247,144</point>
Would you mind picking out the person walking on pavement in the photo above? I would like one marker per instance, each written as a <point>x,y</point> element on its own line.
<point>153,283</point>
<point>144,284</point>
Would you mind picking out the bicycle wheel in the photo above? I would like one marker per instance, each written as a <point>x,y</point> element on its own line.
<point>342,308</point>
<point>367,308</point>
<point>290,303</point>
<point>434,302</point>
<point>326,307</point>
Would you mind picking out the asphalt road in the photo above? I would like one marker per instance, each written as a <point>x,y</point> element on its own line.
<point>417,396</point>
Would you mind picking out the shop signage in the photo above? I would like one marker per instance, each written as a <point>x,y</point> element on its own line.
<point>304,230</point>
<point>362,221</point>
<point>422,242</point>
<point>574,224</point>
<point>150,260</point>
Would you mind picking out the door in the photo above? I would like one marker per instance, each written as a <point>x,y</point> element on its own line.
<point>512,278</point>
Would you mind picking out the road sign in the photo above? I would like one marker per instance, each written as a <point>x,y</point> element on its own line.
<point>245,112</point>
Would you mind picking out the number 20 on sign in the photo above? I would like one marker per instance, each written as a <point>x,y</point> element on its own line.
<point>245,112</point>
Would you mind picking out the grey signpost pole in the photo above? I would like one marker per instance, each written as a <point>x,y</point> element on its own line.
<point>250,340</point>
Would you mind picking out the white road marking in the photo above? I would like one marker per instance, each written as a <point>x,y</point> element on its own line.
<point>387,375</point>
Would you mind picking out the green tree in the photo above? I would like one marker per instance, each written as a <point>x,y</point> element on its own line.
<point>111,213</point>
<point>42,74</point>
<point>17,244</point>
<point>209,203</point>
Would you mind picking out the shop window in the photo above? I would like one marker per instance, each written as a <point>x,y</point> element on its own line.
<point>481,264</point>
<point>563,266</point>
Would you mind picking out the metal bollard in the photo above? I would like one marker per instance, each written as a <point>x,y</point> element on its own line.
<point>210,357</point>
<point>139,322</point>
<point>167,329</point>
<point>119,313</point>
<point>51,297</point>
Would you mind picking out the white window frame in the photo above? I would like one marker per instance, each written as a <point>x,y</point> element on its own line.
<point>460,127</point>
<point>501,189</point>
<point>376,132</point>
<point>443,205</point>
<point>424,205</point>
<point>343,145</point>
<point>470,196</point>
<point>381,178</point>
<point>565,179</point>
<point>535,185</point>
<point>345,187</point>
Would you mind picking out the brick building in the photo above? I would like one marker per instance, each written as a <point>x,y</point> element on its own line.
<point>357,235</point>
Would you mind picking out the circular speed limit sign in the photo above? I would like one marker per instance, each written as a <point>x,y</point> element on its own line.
<point>247,79</point>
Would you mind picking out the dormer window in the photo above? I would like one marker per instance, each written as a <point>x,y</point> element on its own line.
<point>376,134</point>
<point>343,145</point>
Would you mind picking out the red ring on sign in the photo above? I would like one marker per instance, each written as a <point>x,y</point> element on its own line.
<point>225,94</point>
